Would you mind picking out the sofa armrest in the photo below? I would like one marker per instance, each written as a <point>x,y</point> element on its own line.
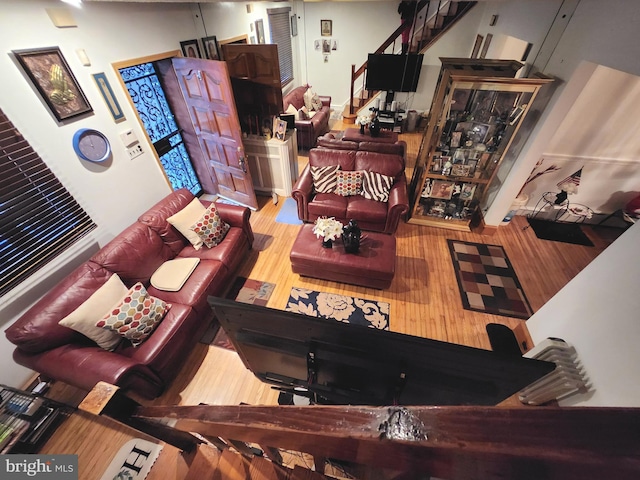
<point>237,216</point>
<point>326,100</point>
<point>398,204</point>
<point>84,366</point>
<point>302,192</point>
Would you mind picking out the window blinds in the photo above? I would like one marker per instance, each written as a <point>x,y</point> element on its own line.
<point>281,36</point>
<point>38,217</point>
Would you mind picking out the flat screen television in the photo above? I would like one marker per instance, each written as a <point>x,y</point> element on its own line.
<point>395,73</point>
<point>338,363</point>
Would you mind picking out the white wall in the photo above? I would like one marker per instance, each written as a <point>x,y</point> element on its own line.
<point>594,36</point>
<point>597,312</point>
<point>115,193</point>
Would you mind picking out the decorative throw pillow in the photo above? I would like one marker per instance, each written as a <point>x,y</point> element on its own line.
<point>312,100</point>
<point>376,186</point>
<point>291,110</point>
<point>348,183</point>
<point>136,316</point>
<point>210,227</point>
<point>324,178</point>
<point>83,319</point>
<point>185,218</point>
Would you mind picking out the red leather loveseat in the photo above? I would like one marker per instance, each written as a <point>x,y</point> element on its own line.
<point>308,129</point>
<point>135,254</point>
<point>372,215</point>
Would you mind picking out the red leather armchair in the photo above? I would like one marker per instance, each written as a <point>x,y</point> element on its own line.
<point>370,214</point>
<point>308,130</point>
<point>61,353</point>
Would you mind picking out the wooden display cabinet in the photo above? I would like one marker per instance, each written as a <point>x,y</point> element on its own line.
<point>476,111</point>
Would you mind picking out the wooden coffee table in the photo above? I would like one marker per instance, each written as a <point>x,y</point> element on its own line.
<point>373,266</point>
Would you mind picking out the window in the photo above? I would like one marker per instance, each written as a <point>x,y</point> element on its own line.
<point>281,36</point>
<point>39,218</point>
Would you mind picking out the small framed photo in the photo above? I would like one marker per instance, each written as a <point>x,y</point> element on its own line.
<point>190,48</point>
<point>50,74</point>
<point>326,28</point>
<point>108,96</point>
<point>460,170</point>
<point>211,49</point>
<point>468,189</point>
<point>326,46</point>
<point>442,189</point>
<point>455,139</point>
<point>472,164</point>
<point>279,129</point>
<point>260,31</point>
<point>436,164</point>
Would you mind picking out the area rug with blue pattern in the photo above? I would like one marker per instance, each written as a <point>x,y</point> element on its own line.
<point>353,310</point>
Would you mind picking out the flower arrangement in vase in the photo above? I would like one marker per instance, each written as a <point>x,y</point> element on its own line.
<point>363,121</point>
<point>327,228</point>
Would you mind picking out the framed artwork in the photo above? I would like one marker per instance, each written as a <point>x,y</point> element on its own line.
<point>436,164</point>
<point>326,46</point>
<point>326,28</point>
<point>108,96</point>
<point>211,49</point>
<point>459,170</point>
<point>260,31</point>
<point>294,25</point>
<point>476,46</point>
<point>459,99</point>
<point>472,166</point>
<point>279,128</point>
<point>485,46</point>
<point>50,74</point>
<point>468,189</point>
<point>190,48</point>
<point>455,139</point>
<point>442,189</point>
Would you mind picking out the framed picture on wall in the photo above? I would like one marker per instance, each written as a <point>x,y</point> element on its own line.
<point>260,31</point>
<point>50,74</point>
<point>190,48</point>
<point>326,28</point>
<point>211,49</point>
<point>109,98</point>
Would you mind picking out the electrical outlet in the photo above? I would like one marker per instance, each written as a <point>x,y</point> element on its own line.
<point>135,151</point>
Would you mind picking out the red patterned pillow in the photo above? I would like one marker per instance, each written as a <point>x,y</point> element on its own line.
<point>349,183</point>
<point>136,316</point>
<point>211,228</point>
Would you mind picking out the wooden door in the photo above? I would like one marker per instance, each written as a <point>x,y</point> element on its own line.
<point>206,89</point>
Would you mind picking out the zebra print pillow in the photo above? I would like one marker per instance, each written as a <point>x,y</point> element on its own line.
<point>376,186</point>
<point>324,178</point>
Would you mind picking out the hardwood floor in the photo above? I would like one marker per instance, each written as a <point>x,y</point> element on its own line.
<point>424,299</point>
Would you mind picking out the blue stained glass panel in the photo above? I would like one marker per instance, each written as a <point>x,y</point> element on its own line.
<point>147,94</point>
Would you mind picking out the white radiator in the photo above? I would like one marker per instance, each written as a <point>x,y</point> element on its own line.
<point>568,377</point>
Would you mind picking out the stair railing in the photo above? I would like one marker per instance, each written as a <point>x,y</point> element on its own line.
<point>462,442</point>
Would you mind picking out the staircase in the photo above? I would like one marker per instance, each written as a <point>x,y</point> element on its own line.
<point>437,18</point>
<point>388,443</point>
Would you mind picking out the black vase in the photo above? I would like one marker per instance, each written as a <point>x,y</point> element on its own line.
<point>362,129</point>
<point>374,127</point>
<point>351,235</point>
<point>327,243</point>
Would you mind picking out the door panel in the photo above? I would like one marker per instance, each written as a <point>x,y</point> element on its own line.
<point>206,89</point>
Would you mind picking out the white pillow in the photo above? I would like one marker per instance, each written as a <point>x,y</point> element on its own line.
<point>310,98</point>
<point>83,319</point>
<point>185,218</point>
<point>291,110</point>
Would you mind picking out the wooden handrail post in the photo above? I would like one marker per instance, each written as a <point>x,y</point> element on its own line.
<point>353,80</point>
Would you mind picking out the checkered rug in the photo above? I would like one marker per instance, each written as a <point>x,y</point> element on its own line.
<point>487,281</point>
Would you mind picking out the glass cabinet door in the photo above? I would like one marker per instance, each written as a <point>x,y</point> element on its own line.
<point>471,126</point>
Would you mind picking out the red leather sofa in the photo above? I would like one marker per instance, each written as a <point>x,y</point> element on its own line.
<point>329,140</point>
<point>371,215</point>
<point>61,353</point>
<point>308,130</point>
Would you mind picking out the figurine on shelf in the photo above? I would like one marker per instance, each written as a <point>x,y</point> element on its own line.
<point>374,126</point>
<point>351,235</point>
